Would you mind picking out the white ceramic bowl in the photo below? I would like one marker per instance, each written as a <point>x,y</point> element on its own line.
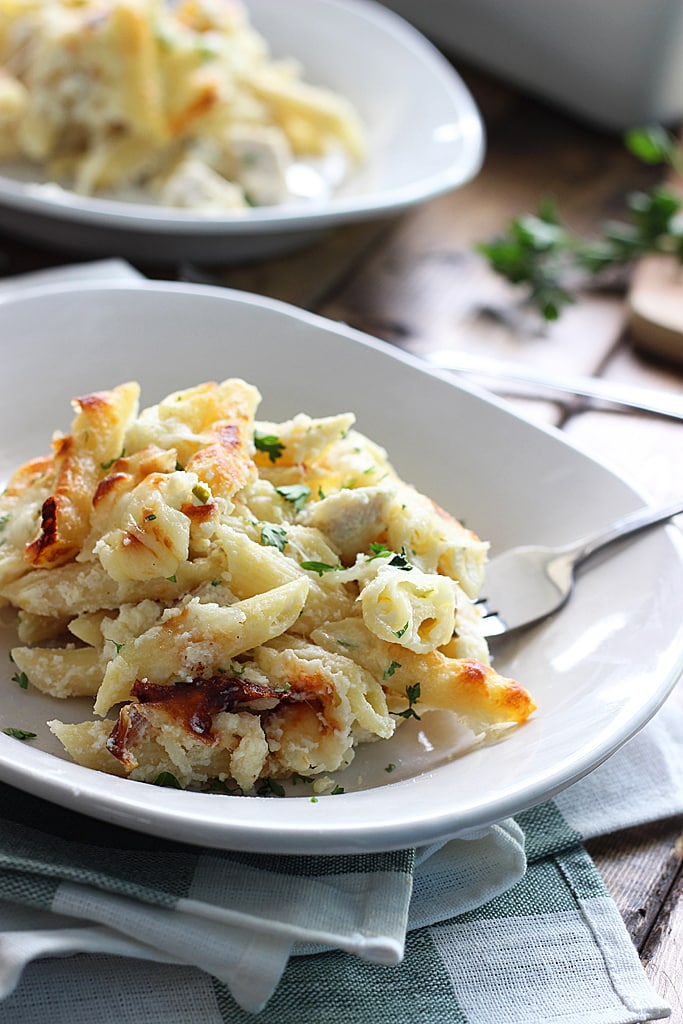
<point>598,669</point>
<point>425,137</point>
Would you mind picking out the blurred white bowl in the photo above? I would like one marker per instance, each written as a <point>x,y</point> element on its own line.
<point>616,63</point>
<point>424,132</point>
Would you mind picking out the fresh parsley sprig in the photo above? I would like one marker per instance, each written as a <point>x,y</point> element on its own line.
<point>269,787</point>
<point>19,734</point>
<point>550,261</point>
<point>321,567</point>
<point>273,535</point>
<point>270,444</point>
<point>399,561</point>
<point>536,252</point>
<point>296,494</point>
<point>167,780</point>
<point>412,696</point>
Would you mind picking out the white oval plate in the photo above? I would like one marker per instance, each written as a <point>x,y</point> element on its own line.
<point>425,137</point>
<point>599,669</point>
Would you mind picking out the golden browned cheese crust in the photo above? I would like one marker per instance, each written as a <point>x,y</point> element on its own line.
<point>243,600</point>
<point>95,440</point>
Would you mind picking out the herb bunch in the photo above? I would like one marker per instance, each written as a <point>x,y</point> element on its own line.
<point>538,252</point>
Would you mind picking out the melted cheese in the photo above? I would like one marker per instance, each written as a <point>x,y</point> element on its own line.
<point>256,599</point>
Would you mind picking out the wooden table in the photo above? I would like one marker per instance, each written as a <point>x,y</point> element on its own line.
<point>417,282</point>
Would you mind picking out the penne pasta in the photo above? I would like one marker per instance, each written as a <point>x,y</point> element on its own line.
<point>62,671</point>
<point>198,639</point>
<point>244,600</point>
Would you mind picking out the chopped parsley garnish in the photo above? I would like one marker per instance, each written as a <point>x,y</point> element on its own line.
<point>274,536</point>
<point>4,520</point>
<point>19,734</point>
<point>269,787</point>
<point>150,517</point>
<point>296,494</point>
<point>171,579</point>
<point>300,778</point>
<point>216,583</point>
<point>108,465</point>
<point>337,790</point>
<point>119,647</point>
<point>168,780</point>
<point>270,444</point>
<point>390,767</point>
<point>398,633</point>
<point>400,561</point>
<point>206,52</point>
<point>21,679</point>
<point>320,567</point>
<point>412,696</point>
<point>321,493</point>
<point>390,669</point>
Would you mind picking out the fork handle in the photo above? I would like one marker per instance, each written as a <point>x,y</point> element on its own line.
<point>631,523</point>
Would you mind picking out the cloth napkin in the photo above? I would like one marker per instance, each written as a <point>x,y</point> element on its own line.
<point>507,925</point>
<point>511,926</point>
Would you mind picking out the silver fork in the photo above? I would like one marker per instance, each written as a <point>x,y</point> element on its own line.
<point>528,583</point>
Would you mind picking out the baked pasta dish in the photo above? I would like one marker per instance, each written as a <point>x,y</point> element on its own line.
<point>182,102</point>
<point>245,601</point>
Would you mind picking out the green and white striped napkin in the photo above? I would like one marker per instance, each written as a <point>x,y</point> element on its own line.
<point>181,935</point>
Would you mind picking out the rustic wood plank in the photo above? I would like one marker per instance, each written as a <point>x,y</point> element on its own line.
<point>306,277</point>
<point>632,366</point>
<point>428,289</point>
<point>639,867</point>
<point>663,952</point>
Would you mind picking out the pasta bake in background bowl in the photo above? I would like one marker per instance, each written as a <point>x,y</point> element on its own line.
<point>256,571</point>
<point>220,129</point>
